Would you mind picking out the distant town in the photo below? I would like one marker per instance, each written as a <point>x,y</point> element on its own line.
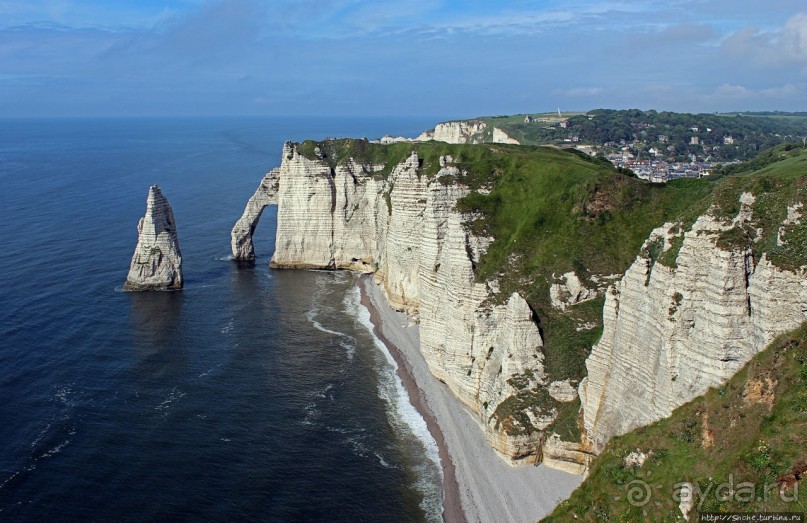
<point>659,146</point>
<point>658,164</point>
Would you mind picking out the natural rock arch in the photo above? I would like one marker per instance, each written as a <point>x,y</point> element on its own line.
<point>266,194</point>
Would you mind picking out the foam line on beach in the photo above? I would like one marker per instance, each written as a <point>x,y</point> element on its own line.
<point>478,484</point>
<point>404,415</point>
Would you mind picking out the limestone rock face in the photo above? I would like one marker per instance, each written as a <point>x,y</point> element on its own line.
<point>388,139</point>
<point>500,136</point>
<point>563,391</point>
<point>469,131</point>
<point>157,260</point>
<point>404,228</point>
<point>670,334</point>
<point>793,218</point>
<point>573,457</point>
<point>569,290</point>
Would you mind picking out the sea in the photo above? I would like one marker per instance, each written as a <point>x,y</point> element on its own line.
<point>250,395</point>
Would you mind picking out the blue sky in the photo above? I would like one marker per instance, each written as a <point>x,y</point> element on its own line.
<point>398,57</point>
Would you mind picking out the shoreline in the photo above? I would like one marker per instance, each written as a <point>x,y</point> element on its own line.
<point>452,507</point>
<point>478,484</point>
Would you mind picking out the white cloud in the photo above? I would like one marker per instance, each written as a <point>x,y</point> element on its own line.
<point>733,93</point>
<point>786,45</point>
<point>793,39</point>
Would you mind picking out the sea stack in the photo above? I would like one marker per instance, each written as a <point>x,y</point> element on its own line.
<point>157,260</point>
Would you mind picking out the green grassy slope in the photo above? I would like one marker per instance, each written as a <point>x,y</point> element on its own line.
<point>742,445</point>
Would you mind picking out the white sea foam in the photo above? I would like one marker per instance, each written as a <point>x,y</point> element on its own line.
<point>323,392</point>
<point>65,395</point>
<point>41,435</point>
<point>174,395</point>
<point>3,484</point>
<point>312,314</point>
<point>347,342</point>
<point>208,371</point>
<point>57,449</point>
<point>403,416</point>
<point>383,462</point>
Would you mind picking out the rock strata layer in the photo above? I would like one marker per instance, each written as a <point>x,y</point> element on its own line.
<point>157,260</point>
<point>671,333</point>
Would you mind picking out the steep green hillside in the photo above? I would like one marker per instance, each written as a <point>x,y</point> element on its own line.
<point>742,446</point>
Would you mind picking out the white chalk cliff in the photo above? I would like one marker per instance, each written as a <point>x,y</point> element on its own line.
<point>157,260</point>
<point>670,334</point>
<point>404,228</point>
<point>465,132</point>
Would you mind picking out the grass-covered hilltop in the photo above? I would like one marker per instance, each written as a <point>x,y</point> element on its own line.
<point>554,211</point>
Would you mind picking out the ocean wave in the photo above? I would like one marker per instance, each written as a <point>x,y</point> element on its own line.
<point>57,433</point>
<point>404,417</point>
<point>383,462</point>
<point>310,413</point>
<point>347,342</point>
<point>323,392</point>
<point>173,396</point>
<point>312,314</point>
<point>208,371</point>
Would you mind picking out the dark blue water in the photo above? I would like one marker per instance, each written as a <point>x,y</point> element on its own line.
<point>251,395</point>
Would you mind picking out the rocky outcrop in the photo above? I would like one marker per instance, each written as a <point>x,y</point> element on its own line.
<point>499,136</point>
<point>404,227</point>
<point>670,333</point>
<point>573,457</point>
<point>563,391</point>
<point>157,260</point>
<point>793,218</point>
<point>466,131</point>
<point>568,291</point>
<point>388,139</point>
<point>461,132</point>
